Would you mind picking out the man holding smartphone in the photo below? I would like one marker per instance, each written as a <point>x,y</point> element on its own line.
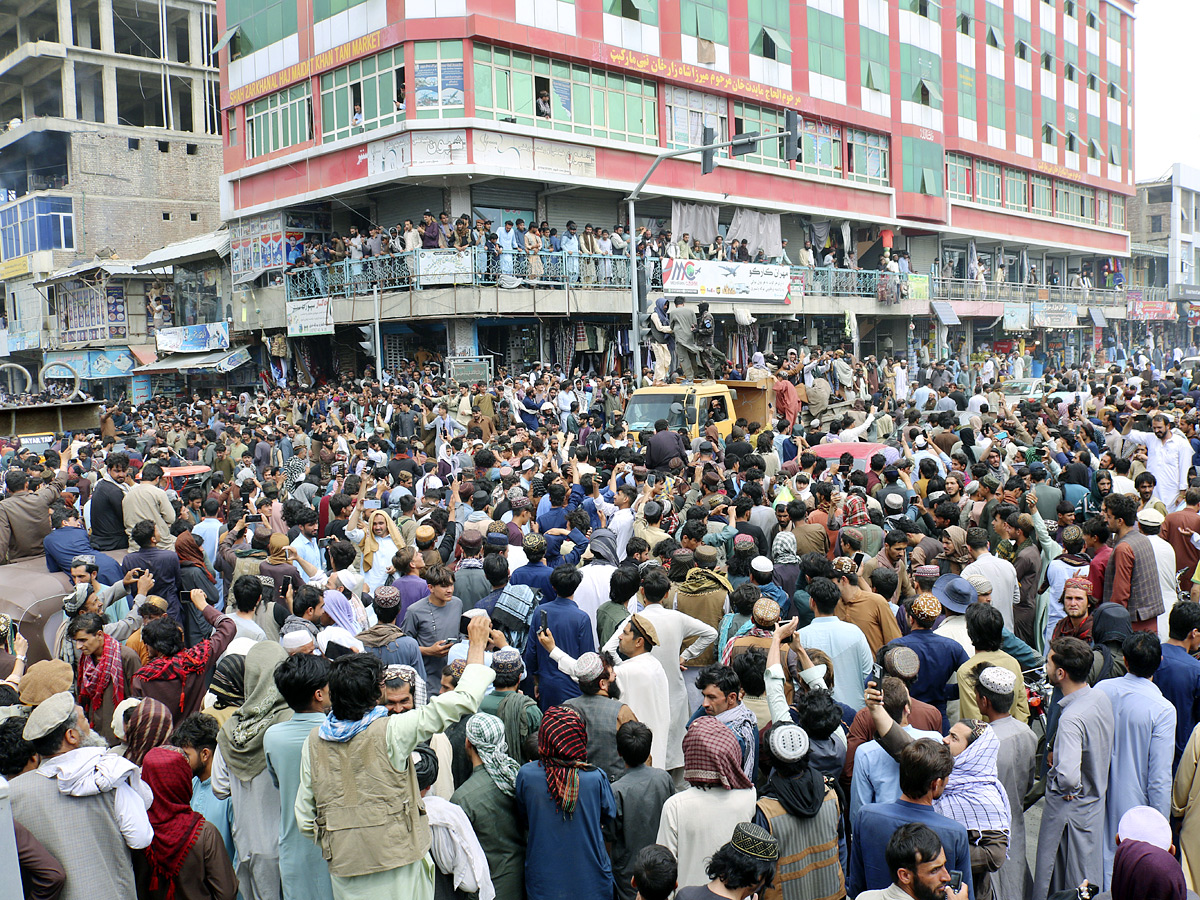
<point>921,870</point>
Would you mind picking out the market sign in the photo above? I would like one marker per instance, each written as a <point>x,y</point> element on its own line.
<point>1152,309</point>
<point>1053,315</point>
<point>725,281</point>
<point>1193,315</point>
<point>1185,292</point>
<point>918,287</point>
<point>309,317</point>
<point>1016,316</point>
<point>193,338</point>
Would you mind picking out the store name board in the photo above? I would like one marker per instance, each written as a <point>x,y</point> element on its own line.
<point>15,268</point>
<point>193,338</point>
<point>330,59</point>
<point>702,77</point>
<point>1016,317</point>
<point>733,282</point>
<point>309,317</point>
<point>1058,171</point>
<point>1163,310</point>
<point>1054,315</point>
<point>1185,292</point>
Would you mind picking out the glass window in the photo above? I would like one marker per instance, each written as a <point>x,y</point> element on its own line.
<point>997,103</point>
<point>1102,207</point>
<point>438,79</point>
<point>279,120</point>
<point>875,60</point>
<point>867,156</point>
<point>924,167</point>
<point>43,223</point>
<point>1117,207</point>
<point>748,119</point>
<point>705,19</point>
<point>987,183</point>
<point>821,149</point>
<point>1016,189</point>
<point>826,43</point>
<point>526,90</point>
<point>363,96</point>
<point>643,11</point>
<point>1042,196</point>
<point>959,177</point>
<point>920,77</point>
<point>261,22</point>
<point>689,111</point>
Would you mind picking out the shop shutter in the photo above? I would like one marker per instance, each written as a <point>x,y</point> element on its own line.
<point>922,251</point>
<point>513,195</point>
<point>393,207</point>
<point>600,208</point>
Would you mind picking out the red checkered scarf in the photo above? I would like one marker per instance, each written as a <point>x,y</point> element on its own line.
<point>562,748</point>
<point>712,756</point>
<point>94,677</point>
<point>192,661</point>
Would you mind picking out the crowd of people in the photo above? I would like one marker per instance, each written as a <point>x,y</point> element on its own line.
<point>412,638</point>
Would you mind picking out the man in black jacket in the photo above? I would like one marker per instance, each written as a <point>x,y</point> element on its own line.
<point>107,519</point>
<point>663,447</point>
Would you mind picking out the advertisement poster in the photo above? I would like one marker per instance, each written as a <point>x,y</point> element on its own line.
<point>1163,310</point>
<point>444,266</point>
<point>118,326</point>
<point>309,317</point>
<point>1053,315</point>
<point>139,391</point>
<point>1016,317</point>
<point>193,338</point>
<point>725,281</point>
<point>918,287</point>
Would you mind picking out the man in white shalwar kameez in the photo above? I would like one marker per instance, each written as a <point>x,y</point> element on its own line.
<point>673,628</point>
<point>641,681</point>
<point>507,239</point>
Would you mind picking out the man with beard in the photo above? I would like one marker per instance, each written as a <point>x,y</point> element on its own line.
<point>105,673</point>
<point>918,866</point>
<point>79,789</point>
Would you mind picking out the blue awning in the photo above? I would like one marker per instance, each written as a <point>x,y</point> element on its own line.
<point>945,313</point>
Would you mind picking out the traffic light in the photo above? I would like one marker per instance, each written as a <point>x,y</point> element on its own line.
<point>744,143</point>
<point>708,158</point>
<point>791,143</point>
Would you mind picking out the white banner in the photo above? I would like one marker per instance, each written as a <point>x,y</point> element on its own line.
<point>445,266</point>
<point>308,317</point>
<point>725,280</point>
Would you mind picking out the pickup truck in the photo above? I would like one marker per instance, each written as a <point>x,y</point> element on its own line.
<point>695,406</point>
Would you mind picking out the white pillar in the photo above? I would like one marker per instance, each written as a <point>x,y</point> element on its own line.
<point>65,35</point>
<point>107,43</point>
<point>108,75</point>
<point>69,107</point>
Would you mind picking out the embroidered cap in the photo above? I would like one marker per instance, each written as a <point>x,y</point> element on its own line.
<point>998,680</point>
<point>765,613</point>
<point>387,597</point>
<point>588,667</point>
<point>844,565</point>
<point>755,841</point>
<point>788,743</point>
<point>926,608</point>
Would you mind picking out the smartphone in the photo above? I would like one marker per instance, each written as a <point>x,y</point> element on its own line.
<point>370,504</point>
<point>545,624</point>
<point>284,584</point>
<point>324,542</point>
<point>651,479</point>
<point>254,518</point>
<point>463,622</point>
<point>877,675</point>
<point>955,880</point>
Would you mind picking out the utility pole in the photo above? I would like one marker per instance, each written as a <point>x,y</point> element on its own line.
<point>741,144</point>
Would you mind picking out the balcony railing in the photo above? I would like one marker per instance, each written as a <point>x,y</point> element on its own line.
<point>431,269</point>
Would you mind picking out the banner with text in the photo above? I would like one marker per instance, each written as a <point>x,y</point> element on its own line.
<point>1016,316</point>
<point>309,317</point>
<point>1152,309</point>
<point>725,281</point>
<point>1054,315</point>
<point>445,266</point>
<point>193,338</point>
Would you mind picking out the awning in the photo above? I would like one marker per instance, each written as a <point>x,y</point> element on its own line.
<point>220,360</point>
<point>247,277</point>
<point>644,5</point>
<point>1097,317</point>
<point>202,246</point>
<point>934,91</point>
<point>779,38</point>
<point>109,267</point>
<point>945,313</point>
<point>144,353</point>
<point>226,38</point>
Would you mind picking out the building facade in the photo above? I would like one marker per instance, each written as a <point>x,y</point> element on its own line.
<point>109,148</point>
<point>989,139</point>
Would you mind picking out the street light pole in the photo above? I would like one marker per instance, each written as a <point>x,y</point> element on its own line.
<point>636,306</point>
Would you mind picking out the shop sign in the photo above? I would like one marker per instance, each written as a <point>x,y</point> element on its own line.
<point>139,390</point>
<point>15,268</point>
<point>1152,309</point>
<point>193,338</point>
<point>309,317</point>
<point>91,365</point>
<point>1185,292</point>
<point>1016,317</point>
<point>918,287</point>
<point>445,266</point>
<point>239,357</point>
<point>1054,315</point>
<point>1193,315</point>
<point>725,281</point>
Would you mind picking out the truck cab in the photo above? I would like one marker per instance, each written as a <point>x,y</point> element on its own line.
<point>696,406</point>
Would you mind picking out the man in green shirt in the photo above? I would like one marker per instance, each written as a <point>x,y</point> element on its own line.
<point>518,712</point>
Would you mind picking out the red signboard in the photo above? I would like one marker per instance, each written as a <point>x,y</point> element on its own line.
<point>1152,309</point>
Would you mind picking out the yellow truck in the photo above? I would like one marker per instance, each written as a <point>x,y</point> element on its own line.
<point>695,406</point>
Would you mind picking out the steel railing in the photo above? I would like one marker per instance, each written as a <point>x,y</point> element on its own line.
<point>558,270</point>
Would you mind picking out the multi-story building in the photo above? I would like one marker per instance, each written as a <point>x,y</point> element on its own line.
<point>1165,248</point>
<point>109,148</point>
<point>980,136</point>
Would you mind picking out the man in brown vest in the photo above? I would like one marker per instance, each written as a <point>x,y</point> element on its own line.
<point>358,795</point>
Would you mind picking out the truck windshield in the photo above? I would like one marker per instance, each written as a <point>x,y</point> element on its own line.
<point>643,411</point>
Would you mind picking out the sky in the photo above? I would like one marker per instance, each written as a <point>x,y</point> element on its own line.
<point>1166,124</point>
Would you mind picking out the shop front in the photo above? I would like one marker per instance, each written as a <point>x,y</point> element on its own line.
<point>105,374</point>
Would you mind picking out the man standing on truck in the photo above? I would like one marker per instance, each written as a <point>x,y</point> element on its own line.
<point>683,326</point>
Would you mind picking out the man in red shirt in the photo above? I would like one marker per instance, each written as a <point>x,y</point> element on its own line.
<point>1095,537</point>
<point>1177,531</point>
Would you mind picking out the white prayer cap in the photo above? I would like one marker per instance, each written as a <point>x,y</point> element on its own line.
<point>762,565</point>
<point>998,680</point>
<point>296,640</point>
<point>1144,823</point>
<point>788,743</point>
<point>1151,517</point>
